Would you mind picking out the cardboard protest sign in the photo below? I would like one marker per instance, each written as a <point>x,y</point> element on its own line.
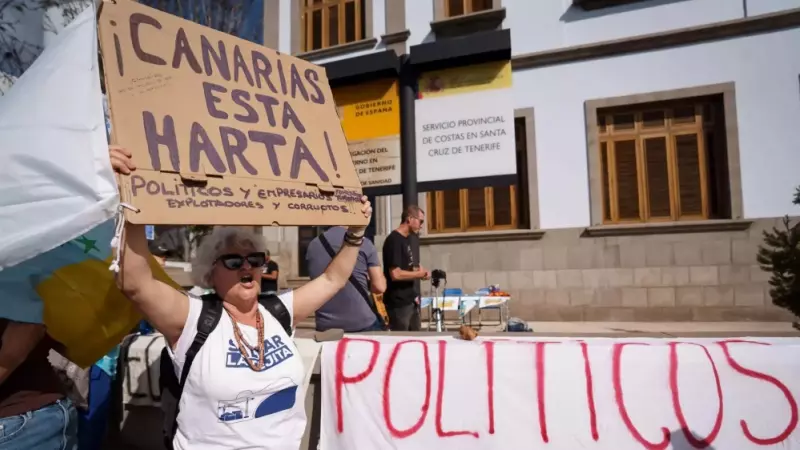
<point>223,131</point>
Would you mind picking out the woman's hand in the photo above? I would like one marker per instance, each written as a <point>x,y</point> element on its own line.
<point>366,209</point>
<point>121,160</point>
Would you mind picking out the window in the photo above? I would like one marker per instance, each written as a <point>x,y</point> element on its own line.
<point>484,208</point>
<point>663,162</point>
<point>327,23</point>
<point>598,4</point>
<point>455,8</point>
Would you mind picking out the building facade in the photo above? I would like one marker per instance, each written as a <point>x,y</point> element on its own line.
<point>655,140</point>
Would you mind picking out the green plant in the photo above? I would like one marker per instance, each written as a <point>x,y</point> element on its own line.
<point>780,255</point>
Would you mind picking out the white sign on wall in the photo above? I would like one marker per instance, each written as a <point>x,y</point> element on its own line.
<point>560,394</point>
<point>465,123</point>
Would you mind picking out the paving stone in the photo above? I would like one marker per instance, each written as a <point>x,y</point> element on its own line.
<point>661,296</point>
<point>661,314</point>
<point>555,258</point>
<point>757,275</point>
<point>718,295</point>
<point>689,296</point>
<point>580,257</point>
<point>572,278</point>
<point>545,279</point>
<point>745,251</point>
<point>610,314</point>
<point>581,297</point>
<point>716,252</point>
<point>557,297</point>
<point>634,297</point>
<point>488,256</point>
<point>674,276</point>
<point>647,276</point>
<point>594,278</point>
<point>521,279</point>
<point>734,274</point>
<point>531,258</point>
<point>632,254</point>
<point>687,254</point>
<point>608,297</point>
<point>620,277</point>
<point>749,295</point>
<point>606,255</point>
<point>704,275</point>
<point>658,254</point>
<point>472,281</point>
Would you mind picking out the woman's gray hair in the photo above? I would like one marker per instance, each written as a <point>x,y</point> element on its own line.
<point>213,246</point>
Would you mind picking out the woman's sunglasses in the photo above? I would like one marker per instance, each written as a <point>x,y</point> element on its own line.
<point>235,262</point>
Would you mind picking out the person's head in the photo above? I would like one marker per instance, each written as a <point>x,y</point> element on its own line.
<point>266,253</point>
<point>159,251</point>
<point>230,261</point>
<point>413,217</point>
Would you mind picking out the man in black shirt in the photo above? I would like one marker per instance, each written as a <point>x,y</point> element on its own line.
<point>402,269</point>
<point>269,277</point>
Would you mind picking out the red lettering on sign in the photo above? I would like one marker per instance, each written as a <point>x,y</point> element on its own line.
<point>587,371</point>
<point>540,388</point>
<point>769,379</point>
<point>341,379</point>
<point>623,411</point>
<point>490,382</point>
<point>676,402</point>
<point>387,414</point>
<point>440,398</point>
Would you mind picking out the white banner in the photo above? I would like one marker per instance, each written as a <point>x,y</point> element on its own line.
<point>596,393</point>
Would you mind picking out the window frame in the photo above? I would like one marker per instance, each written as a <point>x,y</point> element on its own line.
<point>670,130</point>
<point>305,19</point>
<point>436,198</point>
<point>441,10</point>
<point>467,7</point>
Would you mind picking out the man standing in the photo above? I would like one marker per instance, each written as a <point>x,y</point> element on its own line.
<point>352,309</point>
<point>34,411</point>
<point>269,277</point>
<point>402,269</point>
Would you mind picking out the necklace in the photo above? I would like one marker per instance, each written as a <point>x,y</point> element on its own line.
<point>242,343</point>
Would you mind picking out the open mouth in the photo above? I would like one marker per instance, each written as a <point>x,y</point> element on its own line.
<point>247,280</point>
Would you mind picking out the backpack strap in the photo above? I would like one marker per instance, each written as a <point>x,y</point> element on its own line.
<point>353,282</point>
<point>275,306</point>
<point>210,314</point>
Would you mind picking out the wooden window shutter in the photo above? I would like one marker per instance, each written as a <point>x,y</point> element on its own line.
<point>627,180</point>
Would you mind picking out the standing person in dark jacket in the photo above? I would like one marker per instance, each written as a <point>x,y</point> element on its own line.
<point>402,269</point>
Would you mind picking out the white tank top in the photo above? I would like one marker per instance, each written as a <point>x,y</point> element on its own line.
<point>225,404</point>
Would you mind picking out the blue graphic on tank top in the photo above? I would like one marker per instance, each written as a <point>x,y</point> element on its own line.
<point>277,402</point>
<point>249,405</point>
<point>275,352</point>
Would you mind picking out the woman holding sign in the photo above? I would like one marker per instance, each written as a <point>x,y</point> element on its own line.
<point>237,371</point>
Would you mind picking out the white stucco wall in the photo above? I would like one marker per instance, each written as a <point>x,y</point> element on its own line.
<point>540,25</point>
<point>765,69</point>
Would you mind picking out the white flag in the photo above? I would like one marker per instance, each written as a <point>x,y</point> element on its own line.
<point>56,181</point>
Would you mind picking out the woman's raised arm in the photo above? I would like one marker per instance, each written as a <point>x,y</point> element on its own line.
<point>164,307</point>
